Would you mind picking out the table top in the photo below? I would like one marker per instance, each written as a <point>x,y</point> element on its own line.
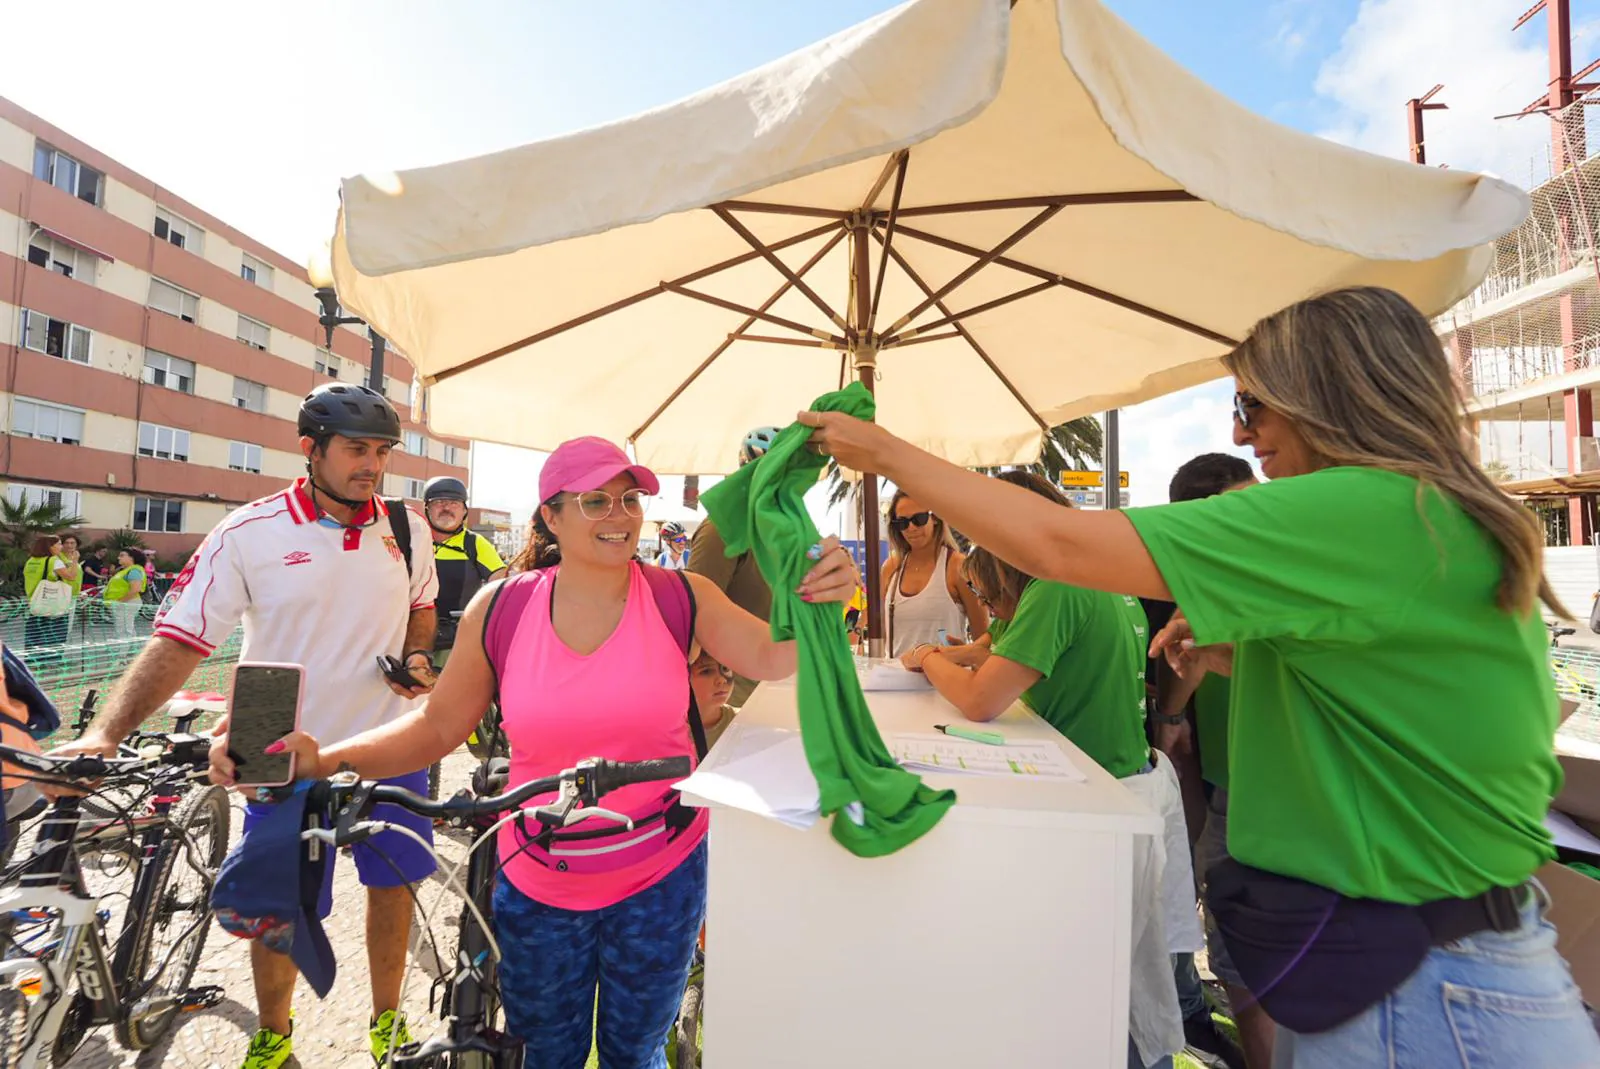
<point>1097,803</point>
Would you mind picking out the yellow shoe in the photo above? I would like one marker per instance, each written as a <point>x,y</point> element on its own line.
<point>387,1033</point>
<point>268,1049</point>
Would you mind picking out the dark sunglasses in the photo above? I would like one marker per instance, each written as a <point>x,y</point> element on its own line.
<point>680,541</point>
<point>1243,405</point>
<point>916,519</point>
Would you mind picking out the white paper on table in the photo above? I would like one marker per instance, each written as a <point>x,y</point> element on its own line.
<point>942,753</point>
<point>766,774</point>
<point>1569,835</point>
<point>890,675</point>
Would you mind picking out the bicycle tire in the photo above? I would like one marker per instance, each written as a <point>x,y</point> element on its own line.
<point>13,1025</point>
<point>203,808</point>
<point>489,738</point>
<point>687,1031</point>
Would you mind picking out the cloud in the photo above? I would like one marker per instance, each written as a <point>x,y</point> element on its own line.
<point>1398,49</point>
<point>1158,436</point>
<point>1296,23</point>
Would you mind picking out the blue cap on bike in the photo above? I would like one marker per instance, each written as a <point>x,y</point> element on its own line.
<point>253,900</point>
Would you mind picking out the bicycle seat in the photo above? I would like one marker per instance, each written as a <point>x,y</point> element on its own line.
<point>1563,632</point>
<point>490,777</point>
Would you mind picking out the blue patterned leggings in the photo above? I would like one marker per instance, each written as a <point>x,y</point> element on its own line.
<point>636,953</point>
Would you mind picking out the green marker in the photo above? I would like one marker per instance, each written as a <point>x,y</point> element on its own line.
<point>992,738</point>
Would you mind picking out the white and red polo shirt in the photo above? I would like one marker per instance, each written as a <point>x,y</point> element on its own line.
<point>310,592</point>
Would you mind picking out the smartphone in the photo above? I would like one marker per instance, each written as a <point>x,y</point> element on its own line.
<point>265,707</point>
<point>400,675</point>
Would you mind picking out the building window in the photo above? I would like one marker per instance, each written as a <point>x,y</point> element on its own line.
<point>46,422</point>
<point>254,270</point>
<point>251,395</point>
<point>452,456</point>
<point>55,337</point>
<point>70,502</point>
<point>66,173</point>
<point>157,514</point>
<point>165,297</point>
<point>179,232</point>
<point>242,456</point>
<point>413,488</point>
<point>253,333</point>
<point>168,371</point>
<point>52,255</point>
<point>163,443</point>
<point>416,443</point>
<point>326,364</point>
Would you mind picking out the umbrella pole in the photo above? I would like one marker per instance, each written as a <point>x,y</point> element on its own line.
<point>864,356</point>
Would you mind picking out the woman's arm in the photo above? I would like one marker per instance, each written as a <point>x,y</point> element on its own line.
<point>980,695</point>
<point>977,615</point>
<point>419,737</point>
<point>1098,549</point>
<point>744,642</point>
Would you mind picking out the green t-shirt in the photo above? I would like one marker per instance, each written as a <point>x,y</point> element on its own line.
<point>1089,648</point>
<point>1391,730</point>
<point>1211,728</point>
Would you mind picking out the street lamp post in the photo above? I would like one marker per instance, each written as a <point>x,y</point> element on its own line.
<point>321,272</point>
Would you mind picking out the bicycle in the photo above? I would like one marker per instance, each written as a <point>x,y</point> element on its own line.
<point>59,975</point>
<point>469,1002</point>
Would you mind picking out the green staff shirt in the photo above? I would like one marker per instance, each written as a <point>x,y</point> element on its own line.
<point>1392,730</point>
<point>1090,653</point>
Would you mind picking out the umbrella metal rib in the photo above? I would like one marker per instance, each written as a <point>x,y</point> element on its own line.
<point>977,309</point>
<point>734,306</point>
<point>904,157</point>
<point>984,260</point>
<point>782,268</point>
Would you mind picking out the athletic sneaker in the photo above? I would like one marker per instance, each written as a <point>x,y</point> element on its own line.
<point>388,1032</point>
<point>268,1049</point>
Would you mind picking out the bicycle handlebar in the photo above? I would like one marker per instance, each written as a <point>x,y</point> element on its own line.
<point>352,800</point>
<point>141,752</point>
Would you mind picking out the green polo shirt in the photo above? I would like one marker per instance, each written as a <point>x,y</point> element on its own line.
<point>1391,730</point>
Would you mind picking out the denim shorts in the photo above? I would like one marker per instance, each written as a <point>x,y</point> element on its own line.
<point>389,858</point>
<point>1494,1000</point>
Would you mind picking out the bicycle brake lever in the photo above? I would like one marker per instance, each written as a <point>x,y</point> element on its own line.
<point>578,815</point>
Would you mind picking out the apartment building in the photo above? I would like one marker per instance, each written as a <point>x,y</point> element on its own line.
<point>154,357</point>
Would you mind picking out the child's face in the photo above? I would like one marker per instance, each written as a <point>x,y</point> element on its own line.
<point>710,681</point>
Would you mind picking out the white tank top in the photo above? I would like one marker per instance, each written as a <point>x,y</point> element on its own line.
<point>918,618</point>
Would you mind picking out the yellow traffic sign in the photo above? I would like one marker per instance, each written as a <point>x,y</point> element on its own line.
<point>1091,478</point>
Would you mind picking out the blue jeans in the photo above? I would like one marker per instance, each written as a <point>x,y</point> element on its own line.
<point>636,952</point>
<point>1495,999</point>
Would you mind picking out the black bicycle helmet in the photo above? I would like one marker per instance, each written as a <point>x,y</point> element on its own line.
<point>444,488</point>
<point>347,409</point>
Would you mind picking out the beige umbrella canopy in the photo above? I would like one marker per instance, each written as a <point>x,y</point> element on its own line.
<point>1001,216</point>
<point>1022,215</point>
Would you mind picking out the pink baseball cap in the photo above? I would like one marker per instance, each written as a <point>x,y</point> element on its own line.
<point>588,464</point>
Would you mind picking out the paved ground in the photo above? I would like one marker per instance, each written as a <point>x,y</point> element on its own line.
<point>329,1033</point>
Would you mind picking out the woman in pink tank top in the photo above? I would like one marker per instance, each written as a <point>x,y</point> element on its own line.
<point>586,665</point>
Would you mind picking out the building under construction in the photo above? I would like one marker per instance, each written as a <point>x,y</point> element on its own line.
<point>1526,343</point>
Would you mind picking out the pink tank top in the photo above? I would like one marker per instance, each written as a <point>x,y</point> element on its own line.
<point>625,701</point>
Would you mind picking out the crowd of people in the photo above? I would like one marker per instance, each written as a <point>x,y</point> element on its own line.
<point>1348,714</point>
<point>56,574</point>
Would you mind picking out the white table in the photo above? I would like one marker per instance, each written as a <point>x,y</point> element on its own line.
<point>999,938</point>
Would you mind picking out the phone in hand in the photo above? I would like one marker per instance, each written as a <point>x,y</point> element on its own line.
<point>401,676</point>
<point>265,706</point>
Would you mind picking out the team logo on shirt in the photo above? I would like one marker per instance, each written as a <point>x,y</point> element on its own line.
<point>299,556</point>
<point>394,549</point>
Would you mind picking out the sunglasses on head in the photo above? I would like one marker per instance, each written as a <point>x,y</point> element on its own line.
<point>1244,404</point>
<point>916,519</point>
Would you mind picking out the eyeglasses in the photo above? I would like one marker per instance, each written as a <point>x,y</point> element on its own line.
<point>707,669</point>
<point>916,519</point>
<point>680,541</point>
<point>979,594</point>
<point>1243,405</point>
<point>597,504</point>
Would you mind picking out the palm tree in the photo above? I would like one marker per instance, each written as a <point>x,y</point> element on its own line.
<point>20,524</point>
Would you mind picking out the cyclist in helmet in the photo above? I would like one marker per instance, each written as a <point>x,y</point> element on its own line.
<point>674,546</point>
<point>317,573</point>
<point>464,560</point>
<point>738,576</point>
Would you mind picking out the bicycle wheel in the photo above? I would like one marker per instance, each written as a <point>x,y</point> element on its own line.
<point>176,915</point>
<point>687,1032</point>
<point>13,1025</point>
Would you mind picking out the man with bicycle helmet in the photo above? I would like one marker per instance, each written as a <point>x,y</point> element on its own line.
<point>674,547</point>
<point>738,576</point>
<point>463,560</point>
<point>322,576</point>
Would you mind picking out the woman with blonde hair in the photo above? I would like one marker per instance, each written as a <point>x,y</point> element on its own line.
<point>924,597</point>
<point>1392,717</point>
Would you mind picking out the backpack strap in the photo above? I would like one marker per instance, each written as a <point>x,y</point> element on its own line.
<point>400,526</point>
<point>675,601</point>
<point>469,549</point>
<point>505,612</point>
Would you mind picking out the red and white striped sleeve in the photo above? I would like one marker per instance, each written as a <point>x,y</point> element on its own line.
<point>209,596</point>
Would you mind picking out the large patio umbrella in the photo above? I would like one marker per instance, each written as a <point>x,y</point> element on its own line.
<point>1000,217</point>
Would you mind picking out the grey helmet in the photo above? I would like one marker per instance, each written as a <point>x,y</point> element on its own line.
<point>444,488</point>
<point>349,410</point>
<point>756,444</point>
